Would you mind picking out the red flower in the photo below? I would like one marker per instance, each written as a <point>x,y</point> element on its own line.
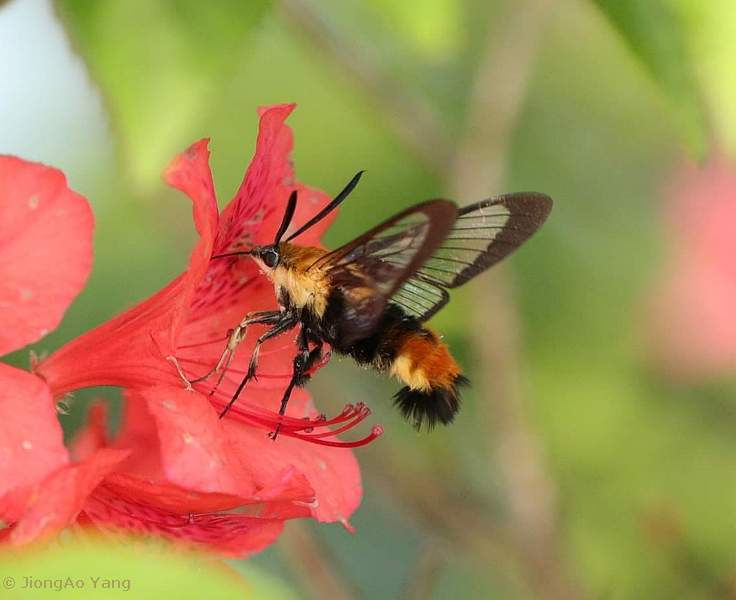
<point>45,258</point>
<point>189,319</point>
<point>172,472</point>
<point>122,487</point>
<point>176,469</point>
<point>693,323</point>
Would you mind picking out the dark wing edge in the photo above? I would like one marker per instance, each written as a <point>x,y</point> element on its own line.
<point>483,234</point>
<point>527,212</point>
<point>372,268</point>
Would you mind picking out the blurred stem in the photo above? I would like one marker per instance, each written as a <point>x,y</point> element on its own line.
<point>409,115</point>
<point>313,564</point>
<point>422,580</point>
<point>479,167</point>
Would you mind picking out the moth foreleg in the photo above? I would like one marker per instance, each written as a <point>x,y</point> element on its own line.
<point>235,336</point>
<point>286,321</point>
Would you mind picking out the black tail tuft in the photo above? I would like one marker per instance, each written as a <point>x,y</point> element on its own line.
<point>440,405</point>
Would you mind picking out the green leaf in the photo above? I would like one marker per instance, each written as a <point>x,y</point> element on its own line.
<point>656,36</point>
<point>161,66</point>
<point>133,569</point>
<point>713,43</point>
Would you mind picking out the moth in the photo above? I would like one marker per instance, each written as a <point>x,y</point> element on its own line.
<point>370,299</point>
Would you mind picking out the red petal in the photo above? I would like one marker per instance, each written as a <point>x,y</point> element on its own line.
<point>263,190</point>
<point>31,441</point>
<point>234,535</point>
<point>93,435</point>
<point>45,250</point>
<point>57,500</point>
<point>332,472</point>
<point>190,173</point>
<point>121,352</point>
<point>194,452</point>
<point>138,433</point>
<point>129,503</point>
<point>130,350</point>
<point>168,496</point>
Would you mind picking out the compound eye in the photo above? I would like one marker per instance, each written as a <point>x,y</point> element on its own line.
<point>270,258</point>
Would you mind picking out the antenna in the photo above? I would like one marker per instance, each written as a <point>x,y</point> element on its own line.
<point>330,207</point>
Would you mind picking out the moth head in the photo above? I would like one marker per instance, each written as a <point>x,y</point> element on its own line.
<point>267,257</point>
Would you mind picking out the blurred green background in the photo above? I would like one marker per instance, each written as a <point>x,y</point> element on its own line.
<point>576,468</point>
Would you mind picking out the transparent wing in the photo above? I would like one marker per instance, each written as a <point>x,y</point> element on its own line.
<point>482,234</point>
<point>421,298</point>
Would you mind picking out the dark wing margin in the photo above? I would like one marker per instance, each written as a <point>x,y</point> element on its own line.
<point>372,268</point>
<point>483,234</point>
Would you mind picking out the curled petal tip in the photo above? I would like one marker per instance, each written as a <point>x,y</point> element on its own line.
<point>183,162</point>
<point>285,108</point>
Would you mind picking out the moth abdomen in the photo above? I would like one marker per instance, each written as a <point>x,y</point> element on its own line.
<point>438,405</point>
<point>432,377</point>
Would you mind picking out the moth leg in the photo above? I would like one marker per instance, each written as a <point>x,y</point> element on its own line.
<point>315,354</point>
<point>287,321</point>
<point>303,361</point>
<point>237,335</point>
<point>187,383</point>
